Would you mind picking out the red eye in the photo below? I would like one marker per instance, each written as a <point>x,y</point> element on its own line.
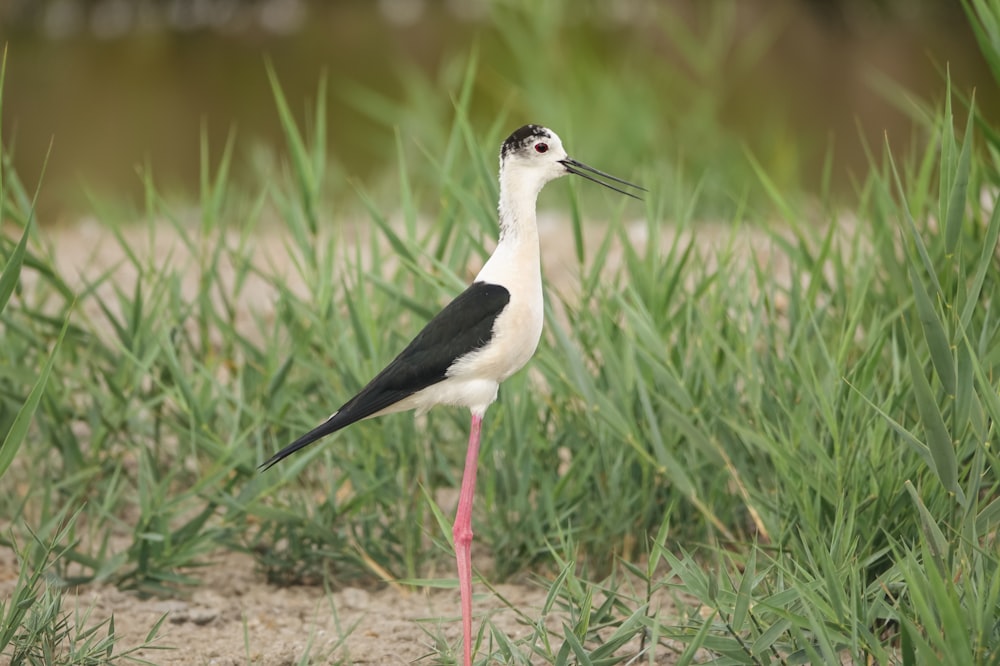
<point>541,147</point>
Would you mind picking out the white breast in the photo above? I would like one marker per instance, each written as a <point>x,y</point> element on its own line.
<point>514,265</point>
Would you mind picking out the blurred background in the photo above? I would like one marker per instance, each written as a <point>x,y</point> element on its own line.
<point>118,84</point>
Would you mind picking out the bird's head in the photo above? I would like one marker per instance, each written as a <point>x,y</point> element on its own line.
<point>536,153</point>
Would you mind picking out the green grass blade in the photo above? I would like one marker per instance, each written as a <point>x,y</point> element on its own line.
<point>22,421</point>
<point>934,536</point>
<point>911,225</point>
<point>983,267</point>
<point>12,270</point>
<point>908,437</point>
<point>959,186</point>
<point>984,17</point>
<point>934,332</point>
<point>304,167</point>
<point>939,441</point>
<point>697,642</point>
<point>744,594</point>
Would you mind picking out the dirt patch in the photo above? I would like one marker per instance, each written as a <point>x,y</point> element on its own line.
<point>235,617</point>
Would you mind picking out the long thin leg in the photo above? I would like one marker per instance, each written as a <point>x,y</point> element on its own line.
<point>462,534</point>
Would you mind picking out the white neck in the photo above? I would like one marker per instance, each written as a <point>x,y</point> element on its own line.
<point>518,197</point>
<point>516,256</point>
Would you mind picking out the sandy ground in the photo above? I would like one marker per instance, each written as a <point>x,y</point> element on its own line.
<point>235,617</point>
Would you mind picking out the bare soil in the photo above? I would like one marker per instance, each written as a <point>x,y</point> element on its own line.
<point>236,617</point>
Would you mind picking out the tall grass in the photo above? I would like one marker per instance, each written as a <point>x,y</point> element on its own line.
<point>790,434</point>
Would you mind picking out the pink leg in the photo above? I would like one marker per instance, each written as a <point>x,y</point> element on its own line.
<point>462,534</point>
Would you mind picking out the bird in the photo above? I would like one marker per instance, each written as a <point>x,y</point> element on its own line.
<point>482,337</point>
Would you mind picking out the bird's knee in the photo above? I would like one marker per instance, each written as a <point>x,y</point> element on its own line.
<point>462,535</point>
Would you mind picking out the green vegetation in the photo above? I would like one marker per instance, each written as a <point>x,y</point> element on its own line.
<point>794,434</point>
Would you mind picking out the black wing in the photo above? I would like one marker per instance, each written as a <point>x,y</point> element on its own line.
<point>463,326</point>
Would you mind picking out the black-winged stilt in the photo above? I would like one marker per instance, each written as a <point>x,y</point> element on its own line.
<point>479,339</point>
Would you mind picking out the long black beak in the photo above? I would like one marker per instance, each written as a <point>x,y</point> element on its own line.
<point>581,169</point>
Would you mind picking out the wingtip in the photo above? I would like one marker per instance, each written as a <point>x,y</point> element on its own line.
<point>267,464</point>
<point>285,452</point>
<point>322,430</point>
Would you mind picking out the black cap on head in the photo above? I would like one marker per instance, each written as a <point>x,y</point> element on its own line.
<point>523,137</point>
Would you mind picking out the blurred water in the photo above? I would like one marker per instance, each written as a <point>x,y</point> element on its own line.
<point>115,84</point>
